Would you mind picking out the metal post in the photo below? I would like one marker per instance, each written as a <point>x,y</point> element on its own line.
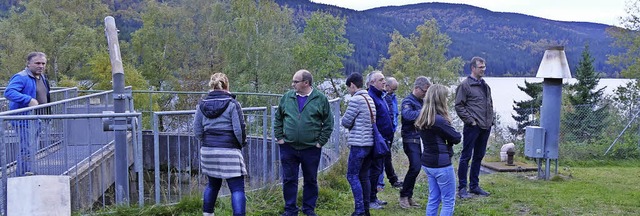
<point>550,118</point>
<point>119,100</point>
<point>3,161</point>
<point>156,156</point>
<point>275,149</point>
<point>264,145</point>
<point>139,168</point>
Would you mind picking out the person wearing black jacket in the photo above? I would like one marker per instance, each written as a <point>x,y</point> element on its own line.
<point>438,138</point>
<point>411,144</point>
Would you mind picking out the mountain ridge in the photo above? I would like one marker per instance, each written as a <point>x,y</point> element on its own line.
<point>512,43</point>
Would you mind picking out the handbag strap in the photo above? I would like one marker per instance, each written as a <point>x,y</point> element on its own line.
<point>373,120</point>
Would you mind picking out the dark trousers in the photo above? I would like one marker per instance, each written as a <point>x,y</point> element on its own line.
<point>388,166</point>
<point>358,168</point>
<point>376,169</point>
<point>414,152</point>
<point>474,147</point>
<point>238,199</point>
<point>291,161</point>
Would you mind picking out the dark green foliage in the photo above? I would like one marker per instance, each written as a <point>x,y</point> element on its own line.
<point>513,43</point>
<point>588,114</point>
<point>527,111</point>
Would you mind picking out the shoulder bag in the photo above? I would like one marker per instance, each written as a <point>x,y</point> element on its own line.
<point>380,148</point>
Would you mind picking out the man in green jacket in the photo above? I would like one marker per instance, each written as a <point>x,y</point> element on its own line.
<point>303,124</point>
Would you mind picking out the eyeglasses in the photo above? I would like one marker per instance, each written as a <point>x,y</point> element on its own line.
<point>482,67</point>
<point>296,81</point>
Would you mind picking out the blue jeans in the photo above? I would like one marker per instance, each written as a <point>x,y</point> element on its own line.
<point>414,153</point>
<point>236,186</point>
<point>442,189</point>
<point>291,161</point>
<point>29,132</point>
<point>358,168</point>
<point>474,144</point>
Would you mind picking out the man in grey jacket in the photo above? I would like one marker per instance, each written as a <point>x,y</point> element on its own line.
<point>475,107</point>
<point>358,120</point>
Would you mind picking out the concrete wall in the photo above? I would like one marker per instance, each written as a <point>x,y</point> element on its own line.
<point>38,195</point>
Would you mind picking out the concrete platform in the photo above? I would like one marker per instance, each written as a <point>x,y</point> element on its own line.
<point>502,167</point>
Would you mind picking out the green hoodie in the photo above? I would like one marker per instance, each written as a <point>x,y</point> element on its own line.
<point>304,129</point>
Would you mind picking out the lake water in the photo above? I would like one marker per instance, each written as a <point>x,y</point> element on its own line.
<point>504,91</point>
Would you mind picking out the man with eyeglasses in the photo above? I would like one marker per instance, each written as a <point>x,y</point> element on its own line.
<point>29,87</point>
<point>392,103</point>
<point>474,106</point>
<point>411,143</point>
<point>303,124</point>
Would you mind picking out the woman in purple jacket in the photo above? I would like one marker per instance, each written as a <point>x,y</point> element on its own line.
<point>438,138</point>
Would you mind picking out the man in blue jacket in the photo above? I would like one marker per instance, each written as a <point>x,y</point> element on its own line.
<point>392,102</point>
<point>376,83</point>
<point>411,143</point>
<point>26,88</point>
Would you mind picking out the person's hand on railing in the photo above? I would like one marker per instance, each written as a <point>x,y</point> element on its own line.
<point>33,102</point>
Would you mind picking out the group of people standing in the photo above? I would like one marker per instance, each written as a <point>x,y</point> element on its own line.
<point>427,138</point>
<point>304,122</point>
<point>303,125</point>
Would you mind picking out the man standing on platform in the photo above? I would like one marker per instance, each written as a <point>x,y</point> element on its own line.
<point>29,87</point>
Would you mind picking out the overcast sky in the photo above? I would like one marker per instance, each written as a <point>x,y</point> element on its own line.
<point>598,11</point>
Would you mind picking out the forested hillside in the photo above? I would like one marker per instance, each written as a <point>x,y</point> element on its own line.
<point>513,44</point>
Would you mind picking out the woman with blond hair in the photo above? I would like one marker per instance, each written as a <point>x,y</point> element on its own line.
<point>438,138</point>
<point>220,128</point>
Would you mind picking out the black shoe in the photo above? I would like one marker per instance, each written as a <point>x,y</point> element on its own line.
<point>397,184</point>
<point>478,191</point>
<point>356,214</point>
<point>463,194</point>
<point>381,202</point>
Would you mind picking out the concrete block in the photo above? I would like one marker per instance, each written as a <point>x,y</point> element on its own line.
<point>39,195</point>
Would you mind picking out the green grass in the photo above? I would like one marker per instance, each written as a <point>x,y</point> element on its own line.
<point>585,188</point>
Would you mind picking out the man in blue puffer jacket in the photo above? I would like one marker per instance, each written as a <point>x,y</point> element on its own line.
<point>26,88</point>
